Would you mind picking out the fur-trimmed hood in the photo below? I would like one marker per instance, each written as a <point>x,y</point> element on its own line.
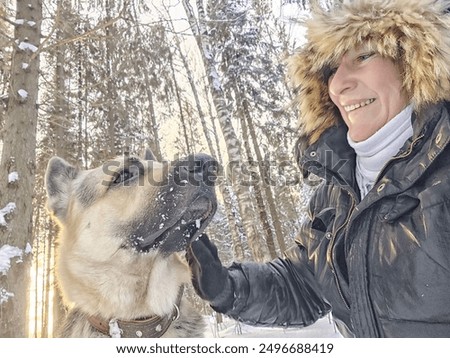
<point>413,33</point>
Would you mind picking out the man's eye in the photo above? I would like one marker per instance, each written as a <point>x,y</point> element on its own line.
<point>365,56</point>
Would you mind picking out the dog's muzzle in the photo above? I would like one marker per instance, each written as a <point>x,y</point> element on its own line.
<point>187,206</point>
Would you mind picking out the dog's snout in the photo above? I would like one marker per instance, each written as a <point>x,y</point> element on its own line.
<point>198,168</point>
<point>205,165</point>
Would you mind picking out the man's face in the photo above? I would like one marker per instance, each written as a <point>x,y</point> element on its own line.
<point>367,89</point>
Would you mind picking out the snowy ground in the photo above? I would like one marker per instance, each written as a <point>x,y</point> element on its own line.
<point>323,328</point>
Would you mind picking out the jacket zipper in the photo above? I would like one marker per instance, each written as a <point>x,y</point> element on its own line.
<point>345,224</point>
<point>331,256</point>
<point>330,248</point>
<point>400,156</point>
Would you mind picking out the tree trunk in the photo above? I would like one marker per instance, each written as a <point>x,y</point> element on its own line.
<point>19,156</point>
<point>153,124</point>
<point>232,142</point>
<point>59,124</point>
<point>180,107</point>
<point>4,69</point>
<point>265,180</point>
<point>80,103</point>
<point>231,207</point>
<point>223,186</point>
<point>111,90</point>
<point>258,194</point>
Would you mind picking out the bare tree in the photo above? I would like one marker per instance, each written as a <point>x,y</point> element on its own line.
<point>18,163</point>
<point>5,46</point>
<point>267,229</point>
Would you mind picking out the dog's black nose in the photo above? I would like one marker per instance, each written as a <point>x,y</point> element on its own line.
<point>199,168</point>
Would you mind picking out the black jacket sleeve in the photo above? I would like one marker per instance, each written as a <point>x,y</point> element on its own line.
<point>282,292</point>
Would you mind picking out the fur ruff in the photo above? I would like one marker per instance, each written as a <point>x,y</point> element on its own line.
<point>413,33</point>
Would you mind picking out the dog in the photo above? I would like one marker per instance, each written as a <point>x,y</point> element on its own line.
<point>124,226</point>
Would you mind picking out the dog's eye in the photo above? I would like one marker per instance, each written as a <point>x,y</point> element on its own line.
<point>123,176</point>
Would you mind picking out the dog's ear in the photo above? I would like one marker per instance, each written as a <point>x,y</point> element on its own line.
<point>148,155</point>
<point>58,180</point>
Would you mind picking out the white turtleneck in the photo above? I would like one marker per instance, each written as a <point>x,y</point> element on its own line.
<point>373,153</point>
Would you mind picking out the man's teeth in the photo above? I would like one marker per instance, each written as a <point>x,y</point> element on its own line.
<point>358,105</point>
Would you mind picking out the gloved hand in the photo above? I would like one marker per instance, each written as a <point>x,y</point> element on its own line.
<point>210,279</point>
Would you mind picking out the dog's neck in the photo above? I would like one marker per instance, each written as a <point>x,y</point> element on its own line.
<point>149,327</point>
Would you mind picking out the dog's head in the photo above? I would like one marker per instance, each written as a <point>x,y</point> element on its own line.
<point>132,203</point>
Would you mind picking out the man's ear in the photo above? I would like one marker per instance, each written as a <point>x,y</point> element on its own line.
<point>58,179</point>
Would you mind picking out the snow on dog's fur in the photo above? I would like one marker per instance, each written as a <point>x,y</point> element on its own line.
<point>124,226</point>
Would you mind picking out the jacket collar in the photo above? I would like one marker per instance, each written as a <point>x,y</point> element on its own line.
<point>331,158</point>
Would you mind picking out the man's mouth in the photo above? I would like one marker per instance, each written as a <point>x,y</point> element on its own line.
<point>352,107</point>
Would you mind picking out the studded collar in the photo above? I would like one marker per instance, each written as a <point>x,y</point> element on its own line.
<point>150,327</point>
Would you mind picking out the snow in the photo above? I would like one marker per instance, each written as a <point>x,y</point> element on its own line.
<point>25,66</point>
<point>22,21</point>
<point>8,209</point>
<point>22,93</point>
<point>13,177</point>
<point>323,328</point>
<point>114,330</point>
<point>5,295</point>
<point>216,81</point>
<point>27,46</point>
<point>8,252</point>
<point>28,249</point>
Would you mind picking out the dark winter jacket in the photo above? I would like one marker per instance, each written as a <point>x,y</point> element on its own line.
<point>383,263</point>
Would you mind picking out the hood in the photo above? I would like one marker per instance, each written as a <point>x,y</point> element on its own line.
<point>413,33</point>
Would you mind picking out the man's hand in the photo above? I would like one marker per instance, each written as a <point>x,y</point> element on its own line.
<point>210,279</point>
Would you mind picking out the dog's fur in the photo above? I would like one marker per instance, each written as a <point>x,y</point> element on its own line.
<point>120,252</point>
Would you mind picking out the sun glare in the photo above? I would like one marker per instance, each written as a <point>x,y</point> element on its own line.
<point>40,316</point>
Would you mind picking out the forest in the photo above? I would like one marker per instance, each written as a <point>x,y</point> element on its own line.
<point>90,80</point>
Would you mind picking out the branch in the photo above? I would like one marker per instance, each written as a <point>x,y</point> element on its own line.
<point>84,35</point>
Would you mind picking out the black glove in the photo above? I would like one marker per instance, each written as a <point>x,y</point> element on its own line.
<point>210,279</point>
